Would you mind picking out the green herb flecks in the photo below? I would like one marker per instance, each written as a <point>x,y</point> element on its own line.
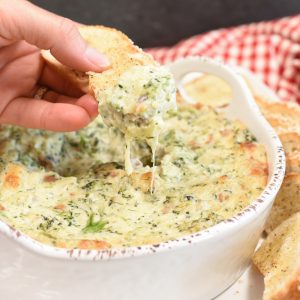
<point>92,226</point>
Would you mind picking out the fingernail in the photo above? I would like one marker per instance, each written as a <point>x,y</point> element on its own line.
<point>96,58</point>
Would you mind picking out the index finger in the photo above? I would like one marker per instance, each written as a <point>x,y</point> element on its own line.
<point>21,20</point>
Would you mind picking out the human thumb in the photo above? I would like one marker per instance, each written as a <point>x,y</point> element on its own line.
<point>21,20</point>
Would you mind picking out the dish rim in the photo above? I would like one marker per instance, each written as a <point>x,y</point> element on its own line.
<point>243,217</point>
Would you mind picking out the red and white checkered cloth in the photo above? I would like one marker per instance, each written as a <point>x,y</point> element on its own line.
<point>269,49</point>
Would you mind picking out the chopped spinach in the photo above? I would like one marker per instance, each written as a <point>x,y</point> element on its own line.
<point>92,226</point>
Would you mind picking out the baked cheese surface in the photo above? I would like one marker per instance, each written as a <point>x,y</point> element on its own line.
<point>70,190</point>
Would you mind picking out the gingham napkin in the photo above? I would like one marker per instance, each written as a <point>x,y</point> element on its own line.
<point>270,49</point>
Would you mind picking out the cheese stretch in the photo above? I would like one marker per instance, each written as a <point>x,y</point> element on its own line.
<point>137,103</point>
<point>70,190</point>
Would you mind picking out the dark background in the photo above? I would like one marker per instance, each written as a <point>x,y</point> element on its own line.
<point>165,22</point>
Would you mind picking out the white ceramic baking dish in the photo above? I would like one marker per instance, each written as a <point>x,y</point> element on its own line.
<point>198,266</point>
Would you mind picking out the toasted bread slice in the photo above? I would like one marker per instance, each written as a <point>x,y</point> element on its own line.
<point>261,102</point>
<point>281,125</point>
<point>286,203</point>
<point>119,49</point>
<point>293,163</point>
<point>287,126</point>
<point>278,259</point>
<point>275,107</point>
<point>288,110</point>
<point>290,141</point>
<point>284,117</point>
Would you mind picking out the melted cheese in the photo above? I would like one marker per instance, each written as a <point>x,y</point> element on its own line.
<point>207,169</point>
<point>137,104</point>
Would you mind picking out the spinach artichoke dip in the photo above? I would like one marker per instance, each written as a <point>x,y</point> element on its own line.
<point>137,104</point>
<point>70,190</point>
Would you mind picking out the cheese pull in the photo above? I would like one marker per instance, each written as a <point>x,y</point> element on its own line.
<point>134,94</point>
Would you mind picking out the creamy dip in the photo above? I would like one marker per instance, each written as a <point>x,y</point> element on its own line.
<point>70,190</point>
<point>137,104</point>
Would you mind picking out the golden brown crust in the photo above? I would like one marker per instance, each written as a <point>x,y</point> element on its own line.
<point>292,290</point>
<point>119,49</point>
<point>290,141</point>
<point>141,181</point>
<point>289,111</point>
<point>12,177</point>
<point>293,163</point>
<point>286,203</point>
<point>284,117</point>
<point>278,259</point>
<point>280,125</point>
<point>93,244</point>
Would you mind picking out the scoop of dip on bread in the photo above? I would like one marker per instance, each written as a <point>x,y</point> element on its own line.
<point>137,103</point>
<point>133,94</point>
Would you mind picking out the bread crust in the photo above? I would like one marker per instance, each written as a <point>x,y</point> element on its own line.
<point>278,259</point>
<point>290,141</point>
<point>293,163</point>
<point>118,48</point>
<point>287,201</point>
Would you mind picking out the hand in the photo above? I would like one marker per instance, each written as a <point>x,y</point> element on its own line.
<point>24,30</point>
